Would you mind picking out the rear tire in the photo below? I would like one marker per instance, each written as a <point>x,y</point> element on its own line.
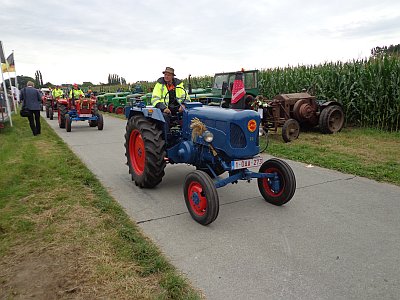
<point>145,151</point>
<point>201,197</point>
<point>331,119</point>
<point>62,110</point>
<point>284,191</point>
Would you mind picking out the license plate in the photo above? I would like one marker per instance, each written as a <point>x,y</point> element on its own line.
<point>247,163</point>
<point>85,115</point>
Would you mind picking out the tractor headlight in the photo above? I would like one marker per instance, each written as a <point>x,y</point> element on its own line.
<point>208,136</point>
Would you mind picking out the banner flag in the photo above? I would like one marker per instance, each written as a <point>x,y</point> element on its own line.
<point>238,90</point>
<point>10,62</point>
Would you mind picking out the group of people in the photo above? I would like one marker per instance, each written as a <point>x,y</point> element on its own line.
<point>168,95</point>
<point>31,100</point>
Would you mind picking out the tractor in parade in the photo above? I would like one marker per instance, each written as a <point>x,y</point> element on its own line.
<point>82,109</point>
<point>46,96</point>
<point>215,140</point>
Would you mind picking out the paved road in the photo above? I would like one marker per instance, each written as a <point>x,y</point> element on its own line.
<point>339,237</point>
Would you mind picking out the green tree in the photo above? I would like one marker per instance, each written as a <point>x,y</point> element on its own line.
<point>385,50</point>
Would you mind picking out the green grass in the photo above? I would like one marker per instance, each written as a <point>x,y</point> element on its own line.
<point>49,200</point>
<point>364,152</point>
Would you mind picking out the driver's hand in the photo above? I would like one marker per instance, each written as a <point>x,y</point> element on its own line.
<point>181,108</point>
<point>167,110</point>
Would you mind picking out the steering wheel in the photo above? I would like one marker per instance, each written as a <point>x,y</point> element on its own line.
<point>177,87</point>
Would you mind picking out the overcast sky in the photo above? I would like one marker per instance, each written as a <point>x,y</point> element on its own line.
<point>85,40</point>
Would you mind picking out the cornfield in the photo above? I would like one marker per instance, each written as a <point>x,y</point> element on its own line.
<point>369,90</point>
<point>199,82</point>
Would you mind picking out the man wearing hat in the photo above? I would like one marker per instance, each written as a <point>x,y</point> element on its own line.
<point>171,104</point>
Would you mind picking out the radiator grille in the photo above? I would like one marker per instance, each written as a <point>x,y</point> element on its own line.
<point>237,138</point>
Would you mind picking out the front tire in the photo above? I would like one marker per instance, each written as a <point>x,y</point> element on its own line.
<point>145,151</point>
<point>68,123</point>
<point>119,110</point>
<point>201,197</point>
<point>100,121</point>
<point>51,113</point>
<point>290,130</point>
<point>281,189</point>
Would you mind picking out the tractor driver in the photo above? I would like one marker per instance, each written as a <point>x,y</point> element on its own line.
<point>177,94</point>
<point>57,92</point>
<point>76,93</point>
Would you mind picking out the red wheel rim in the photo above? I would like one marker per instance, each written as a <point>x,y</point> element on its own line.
<point>267,186</point>
<point>137,152</point>
<point>119,111</point>
<point>110,108</point>
<point>197,200</point>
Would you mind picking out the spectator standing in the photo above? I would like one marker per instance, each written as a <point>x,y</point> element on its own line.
<point>31,100</point>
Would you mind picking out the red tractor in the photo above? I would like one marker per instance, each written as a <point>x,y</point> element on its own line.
<point>46,96</point>
<point>83,109</point>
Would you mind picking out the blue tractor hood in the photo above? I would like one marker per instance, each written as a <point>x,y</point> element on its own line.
<point>235,131</point>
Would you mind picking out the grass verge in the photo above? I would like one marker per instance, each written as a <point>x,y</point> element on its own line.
<point>63,236</point>
<point>363,152</point>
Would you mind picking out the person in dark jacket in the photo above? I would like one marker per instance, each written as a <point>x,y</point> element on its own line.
<point>31,99</point>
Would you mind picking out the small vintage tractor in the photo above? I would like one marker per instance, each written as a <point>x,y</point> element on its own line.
<point>213,139</point>
<point>84,109</point>
<point>118,103</point>
<point>301,110</point>
<point>46,96</point>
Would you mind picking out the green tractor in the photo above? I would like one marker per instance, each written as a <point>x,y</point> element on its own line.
<point>117,103</point>
<point>220,92</point>
<point>107,101</point>
<point>110,103</point>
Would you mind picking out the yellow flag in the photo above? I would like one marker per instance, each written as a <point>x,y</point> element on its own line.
<point>4,68</point>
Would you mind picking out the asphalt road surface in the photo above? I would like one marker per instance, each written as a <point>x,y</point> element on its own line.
<point>338,238</point>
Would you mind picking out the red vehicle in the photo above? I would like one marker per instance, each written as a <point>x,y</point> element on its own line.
<point>83,109</point>
<point>46,95</point>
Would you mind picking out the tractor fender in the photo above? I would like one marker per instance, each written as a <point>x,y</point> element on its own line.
<point>148,112</point>
<point>329,103</point>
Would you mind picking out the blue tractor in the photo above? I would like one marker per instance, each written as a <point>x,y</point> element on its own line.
<point>215,140</point>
